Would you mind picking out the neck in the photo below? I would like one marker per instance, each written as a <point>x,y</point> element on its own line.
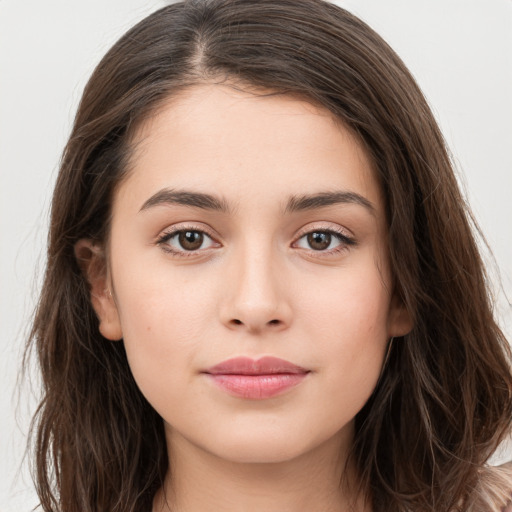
<point>199,480</point>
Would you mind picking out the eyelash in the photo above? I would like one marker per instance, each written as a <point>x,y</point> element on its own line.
<point>341,236</point>
<point>166,236</point>
<point>162,241</point>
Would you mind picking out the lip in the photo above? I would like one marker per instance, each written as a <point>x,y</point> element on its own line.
<point>246,366</point>
<point>256,379</point>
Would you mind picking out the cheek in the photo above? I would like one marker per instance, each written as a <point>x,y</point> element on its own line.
<point>349,325</point>
<point>353,304</point>
<point>155,297</point>
<point>163,318</point>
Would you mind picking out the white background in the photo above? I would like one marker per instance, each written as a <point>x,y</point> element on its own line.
<point>459,50</point>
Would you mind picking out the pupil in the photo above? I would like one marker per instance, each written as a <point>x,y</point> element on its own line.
<point>190,240</point>
<point>319,241</point>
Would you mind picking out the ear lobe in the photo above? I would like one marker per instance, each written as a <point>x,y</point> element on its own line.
<point>91,260</point>
<point>400,321</point>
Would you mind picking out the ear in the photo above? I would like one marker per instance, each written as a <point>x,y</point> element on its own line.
<point>400,320</point>
<point>92,261</point>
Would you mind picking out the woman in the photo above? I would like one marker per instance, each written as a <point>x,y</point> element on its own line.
<point>263,291</point>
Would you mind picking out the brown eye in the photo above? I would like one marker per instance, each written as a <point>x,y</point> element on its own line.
<point>190,240</point>
<point>326,242</point>
<point>319,240</point>
<point>186,242</point>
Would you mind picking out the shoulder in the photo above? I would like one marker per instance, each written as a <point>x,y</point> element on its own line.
<point>494,490</point>
<point>507,468</point>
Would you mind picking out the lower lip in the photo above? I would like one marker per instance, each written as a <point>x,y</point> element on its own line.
<point>257,387</point>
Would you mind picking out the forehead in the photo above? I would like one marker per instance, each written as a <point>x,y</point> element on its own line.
<point>220,139</point>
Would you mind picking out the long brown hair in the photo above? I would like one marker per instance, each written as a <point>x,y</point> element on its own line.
<point>444,401</point>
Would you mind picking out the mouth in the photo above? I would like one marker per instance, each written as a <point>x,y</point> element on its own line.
<point>256,379</point>
<point>246,366</point>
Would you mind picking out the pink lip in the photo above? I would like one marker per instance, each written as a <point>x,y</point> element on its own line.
<point>257,380</point>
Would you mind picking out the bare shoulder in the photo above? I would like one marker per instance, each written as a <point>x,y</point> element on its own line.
<point>494,491</point>
<point>508,484</point>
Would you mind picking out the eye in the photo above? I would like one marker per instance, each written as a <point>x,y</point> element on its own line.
<point>185,240</point>
<point>324,240</point>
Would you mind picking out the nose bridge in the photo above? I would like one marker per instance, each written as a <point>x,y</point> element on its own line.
<point>257,297</point>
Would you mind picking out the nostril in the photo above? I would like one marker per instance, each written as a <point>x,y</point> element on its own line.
<point>236,321</point>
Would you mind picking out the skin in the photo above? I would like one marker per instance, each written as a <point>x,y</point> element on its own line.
<point>255,288</point>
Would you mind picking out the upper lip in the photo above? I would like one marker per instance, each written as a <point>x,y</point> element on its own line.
<point>247,366</point>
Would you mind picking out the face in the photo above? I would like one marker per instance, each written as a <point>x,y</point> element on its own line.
<point>250,227</point>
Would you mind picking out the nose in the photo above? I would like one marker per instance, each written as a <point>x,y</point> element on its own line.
<point>255,297</point>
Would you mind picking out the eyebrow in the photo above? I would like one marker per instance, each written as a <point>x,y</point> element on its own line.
<point>323,199</point>
<point>200,200</point>
<point>295,203</point>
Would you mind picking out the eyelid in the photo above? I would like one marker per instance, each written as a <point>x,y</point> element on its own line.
<point>171,231</point>
<point>326,226</point>
<point>344,236</point>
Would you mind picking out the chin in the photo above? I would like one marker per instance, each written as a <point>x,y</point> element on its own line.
<point>268,454</point>
<point>261,448</point>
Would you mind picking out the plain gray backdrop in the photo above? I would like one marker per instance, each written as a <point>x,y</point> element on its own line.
<point>459,50</point>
